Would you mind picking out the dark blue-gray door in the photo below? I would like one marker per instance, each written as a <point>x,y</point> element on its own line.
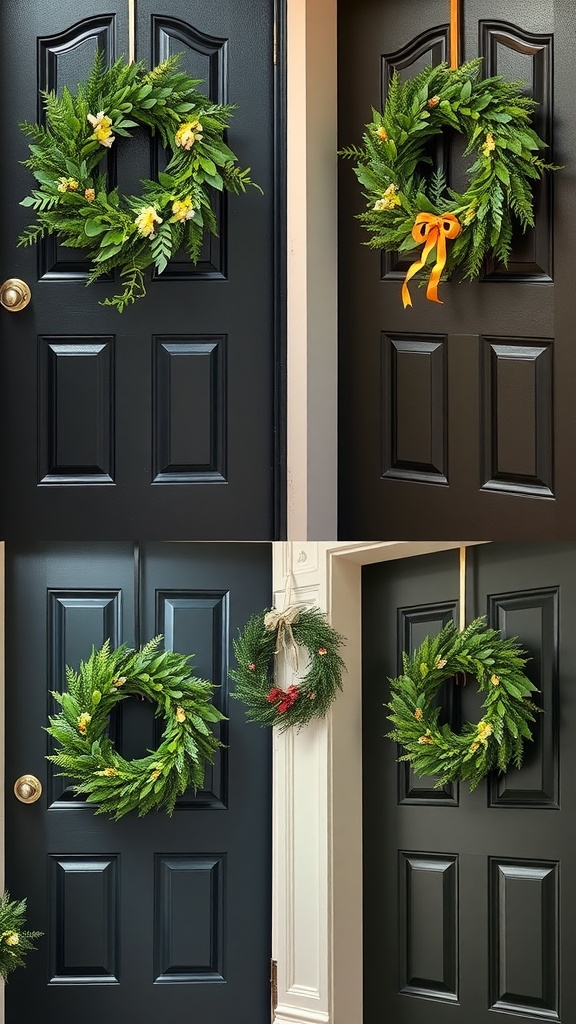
<point>159,422</point>
<point>469,898</point>
<point>156,918</point>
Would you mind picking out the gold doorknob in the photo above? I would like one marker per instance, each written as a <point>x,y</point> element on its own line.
<point>14,295</point>
<point>28,789</point>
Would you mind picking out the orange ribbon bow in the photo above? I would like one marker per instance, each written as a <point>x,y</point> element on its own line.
<point>431,232</point>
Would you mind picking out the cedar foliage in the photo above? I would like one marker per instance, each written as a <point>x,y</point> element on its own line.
<point>15,941</point>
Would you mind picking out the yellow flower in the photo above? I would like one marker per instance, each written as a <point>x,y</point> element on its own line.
<point>102,125</point>
<point>89,194</point>
<point>84,722</point>
<point>425,739</point>
<point>156,773</point>
<point>433,102</point>
<point>110,772</point>
<point>120,681</point>
<point>382,134</point>
<point>389,200</point>
<point>182,209</point>
<point>67,185</point>
<point>180,714</point>
<point>495,680</point>
<point>474,747</point>
<point>440,662</point>
<point>418,714</point>
<point>485,729</point>
<point>489,145</point>
<point>147,220</point>
<point>11,938</point>
<point>189,133</point>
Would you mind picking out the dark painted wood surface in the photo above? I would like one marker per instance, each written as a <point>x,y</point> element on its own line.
<point>457,419</point>
<point>159,422</point>
<point>469,897</point>
<point>147,919</point>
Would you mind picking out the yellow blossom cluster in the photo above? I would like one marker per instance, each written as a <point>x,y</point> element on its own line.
<point>182,209</point>
<point>485,729</point>
<point>489,145</point>
<point>425,739</point>
<point>390,199</point>
<point>418,714</point>
<point>120,681</point>
<point>440,662</point>
<point>189,133</point>
<point>10,938</point>
<point>382,134</point>
<point>495,680</point>
<point>180,714</point>
<point>102,125</point>
<point>147,220</point>
<point>89,194</point>
<point>67,185</point>
<point>83,722</point>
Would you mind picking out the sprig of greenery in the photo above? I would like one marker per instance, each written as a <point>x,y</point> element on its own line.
<point>87,754</point>
<point>15,941</point>
<point>84,214</point>
<point>311,695</point>
<point>495,118</point>
<point>496,741</point>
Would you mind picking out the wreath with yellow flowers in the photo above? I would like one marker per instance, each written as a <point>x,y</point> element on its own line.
<point>497,739</point>
<point>15,941</point>
<point>257,647</point>
<point>72,199</point>
<point>405,209</point>
<point>87,754</point>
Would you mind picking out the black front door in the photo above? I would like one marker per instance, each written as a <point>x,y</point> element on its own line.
<point>155,918</point>
<point>159,422</point>
<point>469,898</point>
<point>457,420</point>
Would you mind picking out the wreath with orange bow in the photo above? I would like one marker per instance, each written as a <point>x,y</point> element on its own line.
<point>455,230</point>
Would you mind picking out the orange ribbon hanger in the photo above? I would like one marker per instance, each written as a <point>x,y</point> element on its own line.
<point>431,231</point>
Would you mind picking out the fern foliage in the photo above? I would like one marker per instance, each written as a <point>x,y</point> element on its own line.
<point>497,740</point>
<point>15,941</point>
<point>85,752</point>
<point>71,198</point>
<point>495,118</point>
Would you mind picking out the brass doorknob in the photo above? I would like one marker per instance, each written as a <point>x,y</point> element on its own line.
<point>14,295</point>
<point>28,789</point>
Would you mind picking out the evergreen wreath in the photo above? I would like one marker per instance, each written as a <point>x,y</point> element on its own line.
<point>15,941</point>
<point>407,210</point>
<point>256,649</point>
<point>87,754</point>
<point>497,739</point>
<point>130,233</point>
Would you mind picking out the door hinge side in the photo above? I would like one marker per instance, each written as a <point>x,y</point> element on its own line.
<point>274,986</point>
<point>275,45</point>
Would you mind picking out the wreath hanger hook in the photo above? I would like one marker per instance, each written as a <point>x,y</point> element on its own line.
<point>454,33</point>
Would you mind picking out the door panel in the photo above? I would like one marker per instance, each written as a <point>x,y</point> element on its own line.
<point>455,418</point>
<point>152,914</point>
<point>462,890</point>
<point>147,417</point>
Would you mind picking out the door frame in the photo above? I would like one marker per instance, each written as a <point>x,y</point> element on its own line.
<point>317,798</point>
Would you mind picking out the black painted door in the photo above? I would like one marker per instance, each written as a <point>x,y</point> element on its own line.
<point>458,419</point>
<point>149,919</point>
<point>463,891</point>
<point>158,422</point>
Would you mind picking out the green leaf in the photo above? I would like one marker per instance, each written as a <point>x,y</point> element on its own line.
<point>93,228</point>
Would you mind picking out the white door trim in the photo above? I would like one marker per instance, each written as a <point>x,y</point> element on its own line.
<point>317,830</point>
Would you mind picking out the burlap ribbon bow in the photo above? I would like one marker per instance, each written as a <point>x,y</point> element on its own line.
<point>283,622</point>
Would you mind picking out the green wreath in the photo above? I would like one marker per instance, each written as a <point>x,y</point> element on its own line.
<point>15,941</point>
<point>130,233</point>
<point>87,754</point>
<point>405,209</point>
<point>256,648</point>
<point>497,739</point>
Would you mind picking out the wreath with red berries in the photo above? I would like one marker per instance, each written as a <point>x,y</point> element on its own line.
<point>257,647</point>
